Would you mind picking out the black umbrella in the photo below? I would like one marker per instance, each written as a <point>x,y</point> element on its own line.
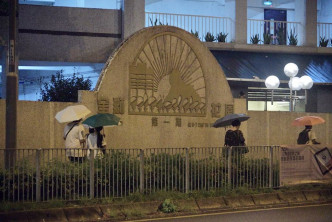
<point>227,120</point>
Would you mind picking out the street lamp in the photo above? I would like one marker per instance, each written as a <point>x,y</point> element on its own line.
<point>272,82</point>
<point>291,71</point>
<point>306,84</point>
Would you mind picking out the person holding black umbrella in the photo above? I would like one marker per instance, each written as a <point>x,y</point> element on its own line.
<point>234,136</point>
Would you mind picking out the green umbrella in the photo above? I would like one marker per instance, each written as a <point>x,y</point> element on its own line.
<point>102,119</point>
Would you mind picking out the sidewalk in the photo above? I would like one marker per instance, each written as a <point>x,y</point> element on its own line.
<point>118,212</point>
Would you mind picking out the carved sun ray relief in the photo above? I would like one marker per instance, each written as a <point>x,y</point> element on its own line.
<point>166,78</point>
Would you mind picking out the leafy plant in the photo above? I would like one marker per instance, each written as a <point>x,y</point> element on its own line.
<point>221,37</point>
<point>4,8</point>
<point>167,206</point>
<point>267,38</point>
<point>195,33</point>
<point>255,39</point>
<point>292,38</point>
<point>281,36</point>
<point>209,37</point>
<point>155,23</point>
<point>323,42</point>
<point>61,89</point>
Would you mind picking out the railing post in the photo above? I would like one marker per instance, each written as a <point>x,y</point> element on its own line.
<point>187,170</point>
<point>38,175</point>
<point>271,165</point>
<point>229,165</point>
<point>141,171</point>
<point>92,173</point>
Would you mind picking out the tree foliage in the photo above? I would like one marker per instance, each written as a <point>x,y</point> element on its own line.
<point>61,89</point>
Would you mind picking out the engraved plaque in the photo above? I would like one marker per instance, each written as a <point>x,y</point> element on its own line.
<point>118,106</point>
<point>215,110</point>
<point>103,106</point>
<point>229,109</point>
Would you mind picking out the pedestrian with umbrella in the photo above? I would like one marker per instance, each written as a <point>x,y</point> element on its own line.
<point>233,136</point>
<point>307,136</point>
<point>96,139</point>
<point>235,141</point>
<point>73,131</point>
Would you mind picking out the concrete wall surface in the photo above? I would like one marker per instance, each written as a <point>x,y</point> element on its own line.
<point>37,128</point>
<point>67,34</point>
<point>274,128</point>
<point>36,124</point>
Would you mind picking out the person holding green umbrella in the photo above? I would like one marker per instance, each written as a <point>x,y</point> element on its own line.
<point>95,139</point>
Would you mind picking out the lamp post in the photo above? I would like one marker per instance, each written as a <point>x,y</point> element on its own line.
<point>306,84</point>
<point>291,71</point>
<point>272,82</point>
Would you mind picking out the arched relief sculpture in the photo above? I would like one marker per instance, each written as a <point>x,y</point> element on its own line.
<point>166,78</point>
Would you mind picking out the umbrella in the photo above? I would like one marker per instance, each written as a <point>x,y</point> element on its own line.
<point>72,113</point>
<point>308,120</point>
<point>227,120</point>
<point>102,119</point>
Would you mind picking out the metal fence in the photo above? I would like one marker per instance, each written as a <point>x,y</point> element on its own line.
<point>271,31</point>
<point>324,34</point>
<point>194,23</point>
<point>47,174</point>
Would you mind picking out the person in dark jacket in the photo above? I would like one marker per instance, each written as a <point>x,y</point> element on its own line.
<point>234,136</point>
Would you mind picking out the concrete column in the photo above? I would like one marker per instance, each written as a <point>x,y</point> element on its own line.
<point>241,21</point>
<point>299,16</point>
<point>4,35</point>
<point>133,16</point>
<point>310,23</point>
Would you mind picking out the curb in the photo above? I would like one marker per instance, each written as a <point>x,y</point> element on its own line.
<point>114,212</point>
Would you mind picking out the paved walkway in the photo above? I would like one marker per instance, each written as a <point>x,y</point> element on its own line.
<point>129,211</point>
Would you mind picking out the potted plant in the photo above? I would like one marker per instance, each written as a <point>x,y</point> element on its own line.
<point>323,42</point>
<point>221,37</point>
<point>195,33</point>
<point>267,38</point>
<point>255,39</point>
<point>292,38</point>
<point>281,36</point>
<point>155,23</point>
<point>209,37</point>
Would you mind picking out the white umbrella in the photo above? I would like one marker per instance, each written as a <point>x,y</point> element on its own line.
<point>72,113</point>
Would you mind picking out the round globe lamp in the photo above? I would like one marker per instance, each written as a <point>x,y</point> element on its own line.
<point>307,82</point>
<point>291,70</point>
<point>272,82</point>
<point>295,84</point>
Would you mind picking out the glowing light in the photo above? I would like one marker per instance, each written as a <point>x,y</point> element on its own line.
<point>295,83</point>
<point>291,69</point>
<point>306,82</point>
<point>267,3</point>
<point>272,82</point>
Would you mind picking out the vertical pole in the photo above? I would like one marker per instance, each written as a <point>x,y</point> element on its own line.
<point>306,96</point>
<point>141,171</point>
<point>11,88</point>
<point>38,175</point>
<point>92,173</point>
<point>229,166</point>
<point>271,165</point>
<point>265,108</point>
<point>290,97</point>
<point>187,170</point>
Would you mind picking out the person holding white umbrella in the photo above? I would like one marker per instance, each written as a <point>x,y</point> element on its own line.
<point>73,133</point>
<point>74,140</point>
